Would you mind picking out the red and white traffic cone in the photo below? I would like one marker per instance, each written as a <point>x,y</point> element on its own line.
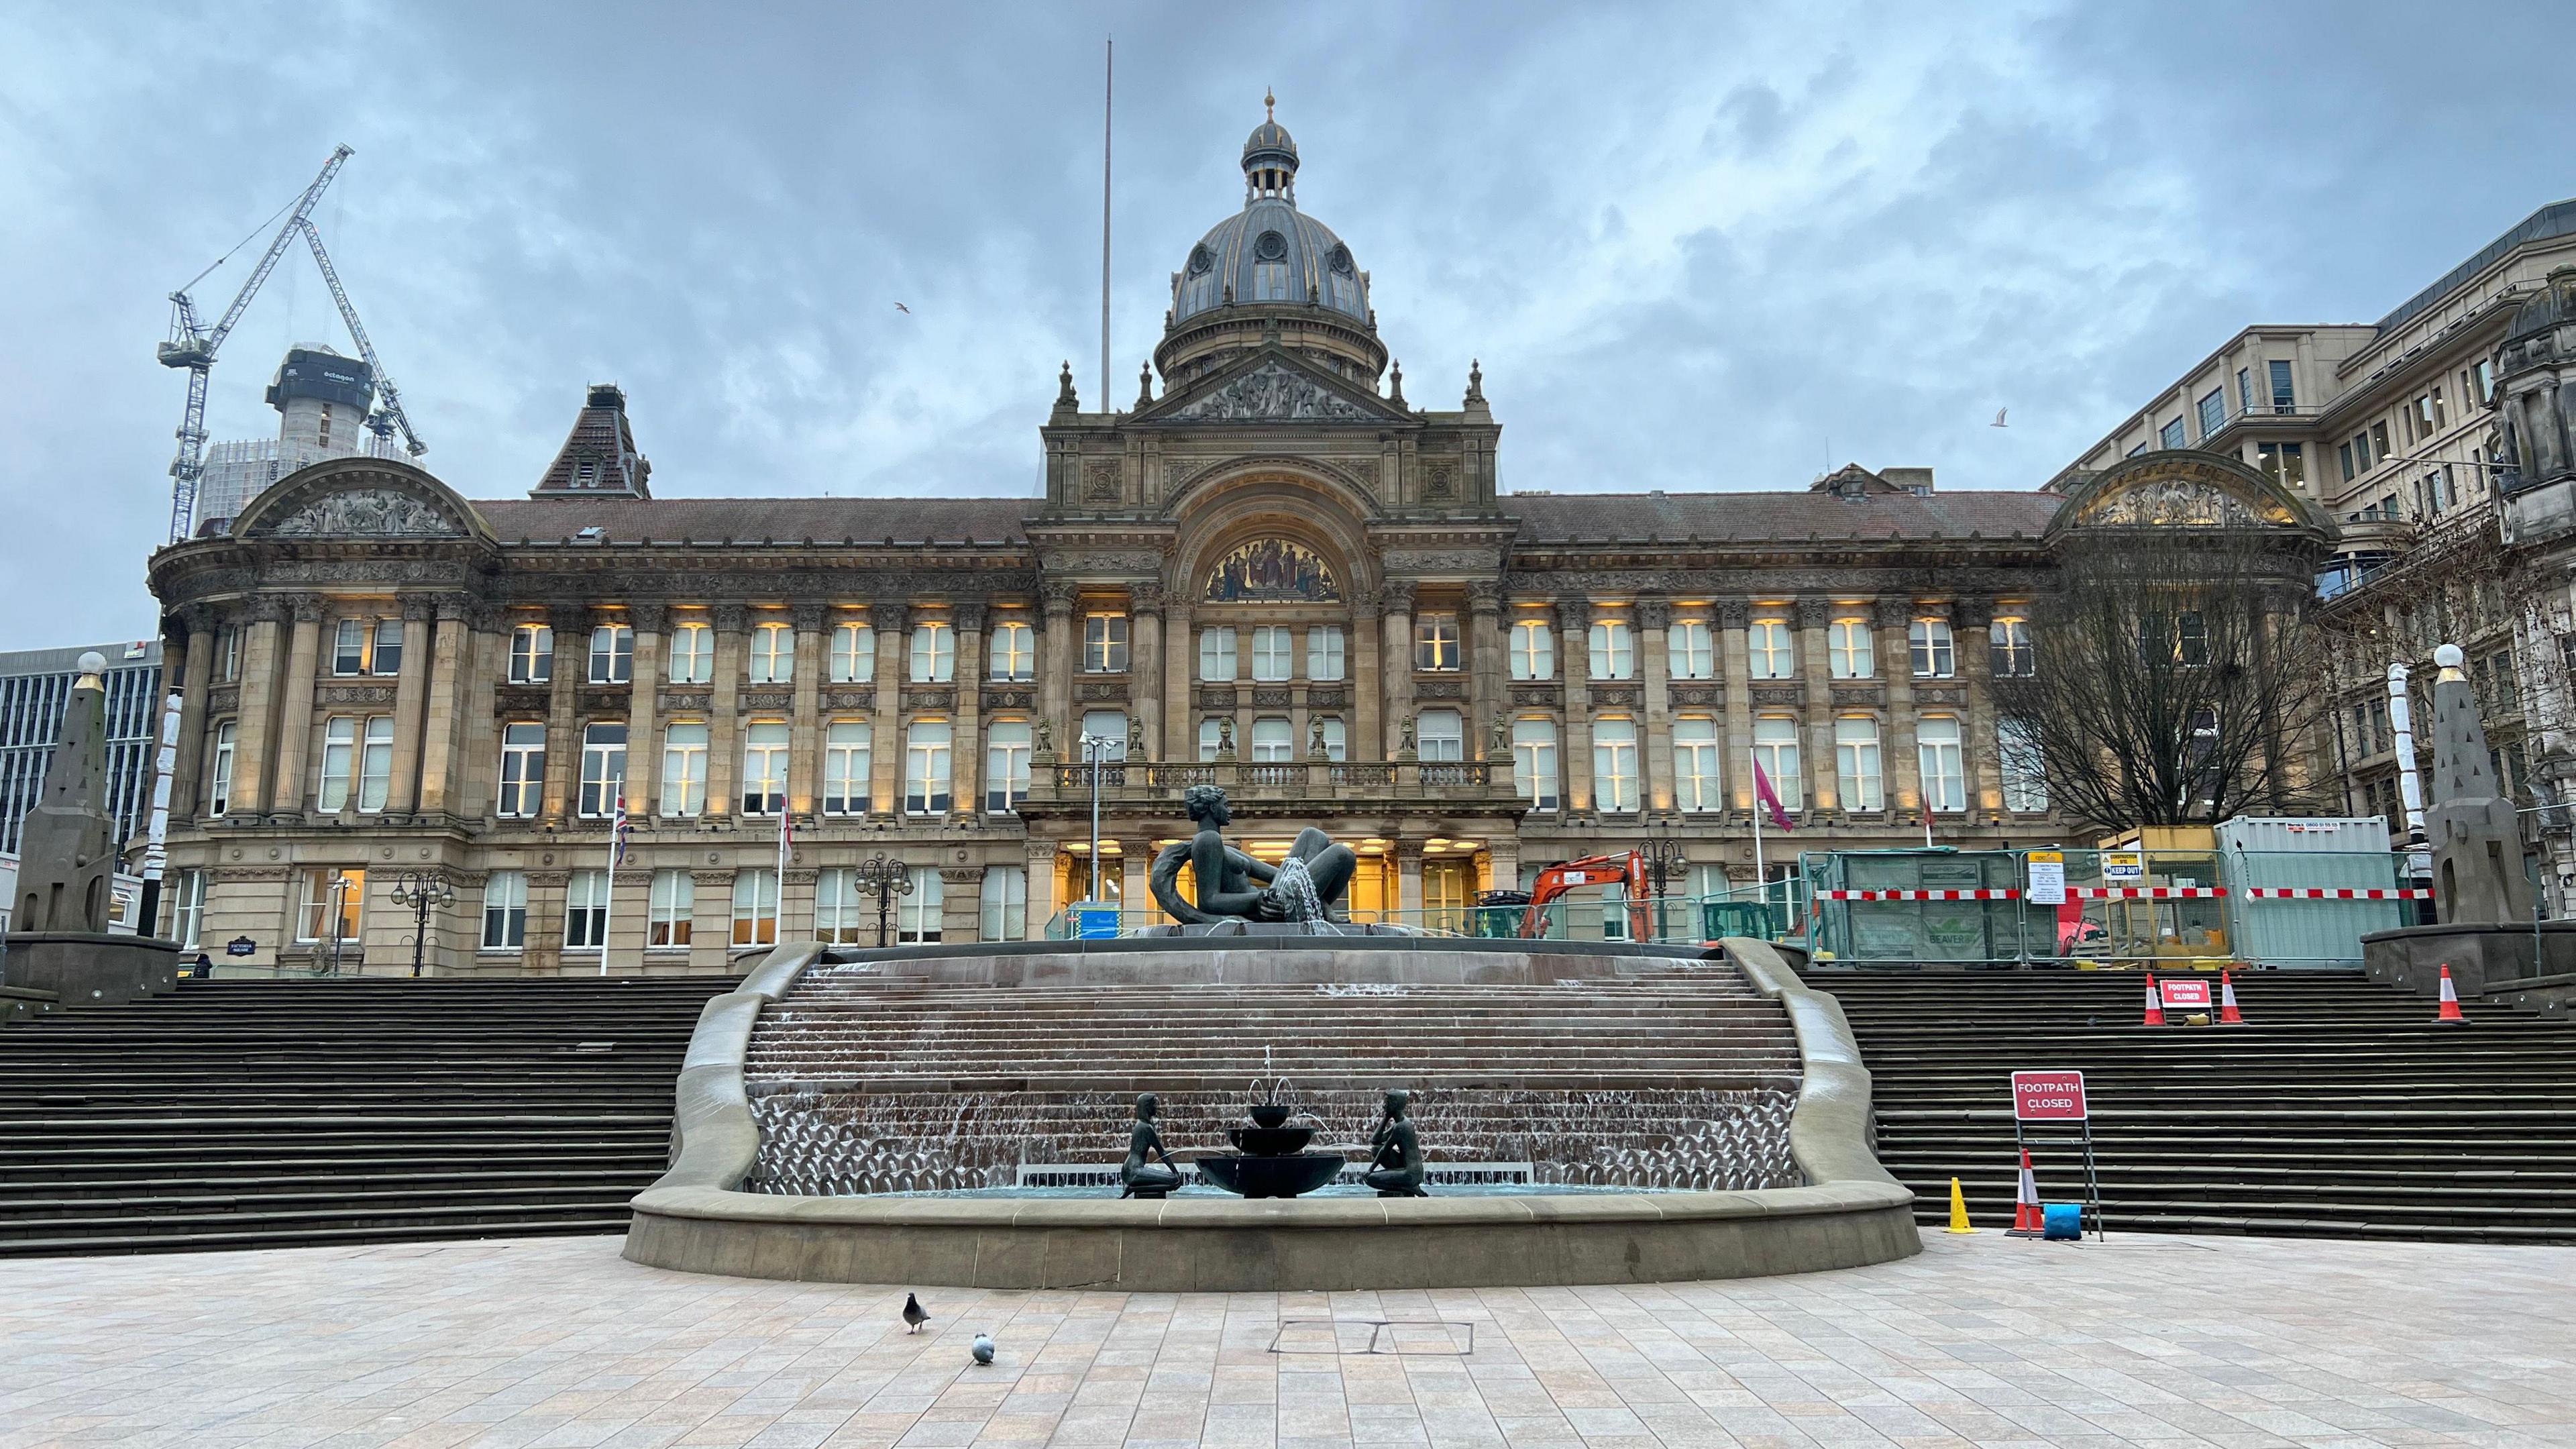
<point>2228,1015</point>
<point>2450,1013</point>
<point>2155,1002</point>
<point>2028,1221</point>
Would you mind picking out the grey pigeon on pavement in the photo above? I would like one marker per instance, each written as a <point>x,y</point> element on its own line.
<point>913,1314</point>
<point>983,1348</point>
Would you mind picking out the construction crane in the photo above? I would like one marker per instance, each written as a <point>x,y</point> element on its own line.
<point>193,347</point>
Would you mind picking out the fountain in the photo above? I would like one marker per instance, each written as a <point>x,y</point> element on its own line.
<point>1270,1157</point>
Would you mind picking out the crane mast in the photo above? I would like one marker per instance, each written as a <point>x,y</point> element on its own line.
<point>193,346</point>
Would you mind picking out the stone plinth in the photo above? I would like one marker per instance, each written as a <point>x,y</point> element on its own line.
<point>2484,960</point>
<point>92,968</point>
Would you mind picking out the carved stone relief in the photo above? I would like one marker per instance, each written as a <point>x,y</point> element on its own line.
<point>354,694</point>
<point>1103,692</point>
<point>1100,481</point>
<point>1272,393</point>
<point>365,513</point>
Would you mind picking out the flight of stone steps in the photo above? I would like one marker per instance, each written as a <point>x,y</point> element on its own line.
<point>2341,1110</point>
<point>241,1114</point>
<point>1664,1077</point>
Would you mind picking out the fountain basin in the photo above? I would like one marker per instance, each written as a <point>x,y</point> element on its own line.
<point>1267,1176</point>
<point>1273,1114</point>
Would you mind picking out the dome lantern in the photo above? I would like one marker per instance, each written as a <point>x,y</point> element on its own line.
<point>1270,158</point>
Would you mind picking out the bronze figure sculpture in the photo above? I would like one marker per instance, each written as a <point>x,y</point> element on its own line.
<point>1307,886</point>
<point>1136,1176</point>
<point>1395,1153</point>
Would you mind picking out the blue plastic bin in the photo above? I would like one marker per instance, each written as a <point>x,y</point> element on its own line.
<point>2061,1222</point>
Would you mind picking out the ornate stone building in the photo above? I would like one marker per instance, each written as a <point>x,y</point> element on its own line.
<point>1278,574</point>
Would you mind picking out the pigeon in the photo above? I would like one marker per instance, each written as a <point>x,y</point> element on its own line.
<point>907,311</point>
<point>913,1313</point>
<point>1999,419</point>
<point>982,1348</point>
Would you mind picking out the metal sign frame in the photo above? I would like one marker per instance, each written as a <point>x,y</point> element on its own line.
<point>2082,1120</point>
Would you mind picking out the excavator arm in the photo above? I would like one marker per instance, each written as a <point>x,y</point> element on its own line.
<point>1626,868</point>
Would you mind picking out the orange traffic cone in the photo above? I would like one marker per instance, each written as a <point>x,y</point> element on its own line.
<point>2155,1002</point>
<point>2027,1219</point>
<point>2450,1001</point>
<point>2228,1015</point>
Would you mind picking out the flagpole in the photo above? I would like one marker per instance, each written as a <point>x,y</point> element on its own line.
<point>778,929</point>
<point>1761,878</point>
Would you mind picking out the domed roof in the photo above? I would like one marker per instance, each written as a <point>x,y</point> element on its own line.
<point>2555,305</point>
<point>1270,251</point>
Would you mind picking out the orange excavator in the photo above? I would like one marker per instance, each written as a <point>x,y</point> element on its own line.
<point>1627,868</point>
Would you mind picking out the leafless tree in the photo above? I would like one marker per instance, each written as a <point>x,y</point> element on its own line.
<point>2177,680</point>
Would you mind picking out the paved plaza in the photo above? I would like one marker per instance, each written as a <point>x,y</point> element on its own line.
<point>1981,1341</point>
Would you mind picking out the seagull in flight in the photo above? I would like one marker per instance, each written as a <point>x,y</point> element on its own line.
<point>907,311</point>
<point>1997,423</point>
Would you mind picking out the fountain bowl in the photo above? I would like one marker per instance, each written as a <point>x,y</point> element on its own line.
<point>1270,1141</point>
<point>1288,1176</point>
<point>1274,1114</point>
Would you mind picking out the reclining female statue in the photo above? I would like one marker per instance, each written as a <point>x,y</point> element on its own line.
<point>1308,885</point>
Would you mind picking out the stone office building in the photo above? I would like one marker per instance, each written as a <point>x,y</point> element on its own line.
<point>1277,574</point>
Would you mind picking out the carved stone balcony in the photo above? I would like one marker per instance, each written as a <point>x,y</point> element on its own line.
<point>1316,787</point>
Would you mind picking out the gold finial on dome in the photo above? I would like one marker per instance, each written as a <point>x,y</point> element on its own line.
<point>1269,105</point>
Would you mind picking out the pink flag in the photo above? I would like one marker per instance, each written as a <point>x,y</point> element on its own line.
<point>1770,798</point>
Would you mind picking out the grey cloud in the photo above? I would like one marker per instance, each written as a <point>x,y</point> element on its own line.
<point>1689,243</point>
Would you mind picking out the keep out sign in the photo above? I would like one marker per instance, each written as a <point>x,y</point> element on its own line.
<point>2184,995</point>
<point>2053,1096</point>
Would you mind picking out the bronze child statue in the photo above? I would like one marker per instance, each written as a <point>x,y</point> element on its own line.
<point>1395,1153</point>
<point>1137,1177</point>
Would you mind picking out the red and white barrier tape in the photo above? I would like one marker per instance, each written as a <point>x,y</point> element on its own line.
<point>2334,893</point>
<point>2003,894</point>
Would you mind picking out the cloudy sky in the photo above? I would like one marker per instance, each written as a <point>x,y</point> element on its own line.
<point>1695,246</point>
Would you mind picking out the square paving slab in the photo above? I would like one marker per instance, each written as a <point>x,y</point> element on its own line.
<point>1985,1341</point>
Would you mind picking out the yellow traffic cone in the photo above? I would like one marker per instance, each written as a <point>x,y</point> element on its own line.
<point>1958,1209</point>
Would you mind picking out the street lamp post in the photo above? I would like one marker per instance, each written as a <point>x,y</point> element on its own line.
<point>1661,855</point>
<point>1095,750</point>
<point>885,879</point>
<point>423,891</point>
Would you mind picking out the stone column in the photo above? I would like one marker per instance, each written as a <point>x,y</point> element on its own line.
<point>255,729</point>
<point>1040,855</point>
<point>1057,648</point>
<point>1897,757</point>
<point>294,732</point>
<point>643,751</point>
<point>543,953</point>
<point>1408,865</point>
<point>1368,733</point>
<point>1135,902</point>
<point>1733,618</point>
<point>1395,663</point>
<point>1175,742</point>
<point>886,620</point>
<point>1980,747</point>
<point>805,726</point>
<point>195,679</point>
<point>1655,730</point>
<point>1145,606</point>
<point>710,919</point>
<point>1574,665</point>
<point>1485,687</point>
<point>571,623</point>
<point>411,689</point>
<point>966,731</point>
<point>1824,782</point>
<point>961,900</point>
<point>1503,862</point>
<point>443,727</point>
<point>724,715</point>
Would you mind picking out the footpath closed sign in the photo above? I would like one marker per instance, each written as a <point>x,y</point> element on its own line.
<point>2184,994</point>
<point>2049,1096</point>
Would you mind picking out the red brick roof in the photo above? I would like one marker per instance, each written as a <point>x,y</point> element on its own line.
<point>784,520</point>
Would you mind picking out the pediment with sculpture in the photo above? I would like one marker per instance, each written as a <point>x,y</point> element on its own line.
<point>2166,491</point>
<point>1271,386</point>
<point>357,498</point>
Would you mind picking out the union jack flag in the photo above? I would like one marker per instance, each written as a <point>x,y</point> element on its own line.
<point>620,830</point>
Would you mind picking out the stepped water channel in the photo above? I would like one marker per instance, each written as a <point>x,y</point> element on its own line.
<point>865,1079</point>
